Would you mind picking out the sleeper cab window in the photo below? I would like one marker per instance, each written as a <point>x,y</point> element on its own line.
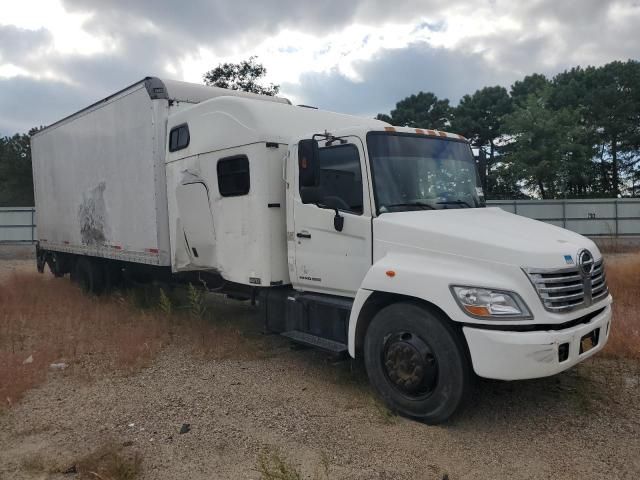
<point>233,176</point>
<point>179,137</point>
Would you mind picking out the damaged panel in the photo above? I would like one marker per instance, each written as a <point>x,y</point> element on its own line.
<point>92,216</point>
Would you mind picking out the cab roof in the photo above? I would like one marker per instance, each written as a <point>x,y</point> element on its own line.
<point>240,121</point>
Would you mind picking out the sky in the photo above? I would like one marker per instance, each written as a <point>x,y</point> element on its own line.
<point>358,57</point>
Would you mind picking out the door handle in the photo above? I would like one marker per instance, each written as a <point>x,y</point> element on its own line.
<point>303,234</point>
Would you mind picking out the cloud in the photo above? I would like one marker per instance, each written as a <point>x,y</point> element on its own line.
<point>17,43</point>
<point>26,102</point>
<point>359,56</point>
<point>220,22</point>
<point>395,74</point>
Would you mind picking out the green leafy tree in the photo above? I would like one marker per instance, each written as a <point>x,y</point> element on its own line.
<point>423,110</point>
<point>614,109</point>
<point>507,182</point>
<point>480,117</point>
<point>244,76</point>
<point>534,84</point>
<point>544,145</point>
<point>608,100</point>
<point>385,118</point>
<point>16,177</point>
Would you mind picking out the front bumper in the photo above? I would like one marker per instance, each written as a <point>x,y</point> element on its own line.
<point>509,355</point>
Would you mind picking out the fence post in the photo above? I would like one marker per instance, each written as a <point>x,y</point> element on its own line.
<point>515,207</point>
<point>615,203</point>
<point>564,213</point>
<point>33,233</point>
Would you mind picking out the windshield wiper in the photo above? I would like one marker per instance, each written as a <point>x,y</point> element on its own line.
<point>426,206</point>
<point>454,202</point>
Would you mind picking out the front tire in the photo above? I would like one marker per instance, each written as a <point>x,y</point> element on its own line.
<point>417,362</point>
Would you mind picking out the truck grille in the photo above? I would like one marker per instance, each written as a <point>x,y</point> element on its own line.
<point>568,289</point>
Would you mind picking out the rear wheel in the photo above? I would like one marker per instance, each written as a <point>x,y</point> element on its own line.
<point>56,264</point>
<point>417,362</point>
<point>89,274</point>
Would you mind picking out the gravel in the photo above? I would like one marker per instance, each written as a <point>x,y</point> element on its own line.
<point>581,424</point>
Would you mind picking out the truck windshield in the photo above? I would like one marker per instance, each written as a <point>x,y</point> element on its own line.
<point>415,172</point>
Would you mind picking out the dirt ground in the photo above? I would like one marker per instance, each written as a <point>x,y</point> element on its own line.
<point>320,416</point>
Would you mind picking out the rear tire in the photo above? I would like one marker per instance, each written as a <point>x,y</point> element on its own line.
<point>417,362</point>
<point>89,274</point>
<point>56,263</point>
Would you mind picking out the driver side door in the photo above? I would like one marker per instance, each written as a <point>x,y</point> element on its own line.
<point>328,260</point>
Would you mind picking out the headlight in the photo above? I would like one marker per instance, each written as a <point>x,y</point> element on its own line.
<point>489,303</point>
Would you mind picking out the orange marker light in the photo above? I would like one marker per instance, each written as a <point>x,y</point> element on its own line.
<point>477,310</point>
<point>389,129</point>
<point>390,273</point>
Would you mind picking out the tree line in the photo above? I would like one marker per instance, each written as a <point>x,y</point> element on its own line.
<point>576,135</point>
<point>16,182</point>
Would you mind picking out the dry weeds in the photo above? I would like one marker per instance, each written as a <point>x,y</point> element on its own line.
<point>110,462</point>
<point>45,320</point>
<point>273,466</point>
<point>623,277</point>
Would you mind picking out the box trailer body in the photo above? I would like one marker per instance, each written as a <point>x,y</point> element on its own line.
<point>353,235</point>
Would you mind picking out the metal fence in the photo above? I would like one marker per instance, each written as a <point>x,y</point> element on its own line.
<point>592,217</point>
<point>17,224</point>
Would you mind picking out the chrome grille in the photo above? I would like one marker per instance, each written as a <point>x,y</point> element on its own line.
<point>567,289</point>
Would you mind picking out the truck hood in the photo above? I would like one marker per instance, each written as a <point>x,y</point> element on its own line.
<point>485,234</point>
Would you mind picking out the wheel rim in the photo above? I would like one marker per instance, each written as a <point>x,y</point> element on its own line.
<point>409,365</point>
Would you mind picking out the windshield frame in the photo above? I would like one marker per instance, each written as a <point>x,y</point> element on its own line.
<point>374,190</point>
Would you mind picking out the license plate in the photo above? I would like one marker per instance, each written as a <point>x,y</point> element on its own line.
<point>590,340</point>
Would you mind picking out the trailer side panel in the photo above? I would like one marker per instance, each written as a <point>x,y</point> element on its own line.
<point>99,181</point>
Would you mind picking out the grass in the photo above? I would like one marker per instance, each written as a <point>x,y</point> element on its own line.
<point>33,463</point>
<point>109,462</point>
<point>45,320</point>
<point>387,416</point>
<point>623,278</point>
<point>612,244</point>
<point>273,466</point>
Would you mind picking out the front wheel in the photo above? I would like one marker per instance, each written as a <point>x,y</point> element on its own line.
<point>417,362</point>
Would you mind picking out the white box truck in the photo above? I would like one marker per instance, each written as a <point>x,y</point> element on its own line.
<point>352,235</point>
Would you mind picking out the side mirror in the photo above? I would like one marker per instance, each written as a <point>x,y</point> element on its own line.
<point>308,163</point>
<point>338,221</point>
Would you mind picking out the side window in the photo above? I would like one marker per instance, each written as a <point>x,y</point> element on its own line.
<point>340,178</point>
<point>179,138</point>
<point>233,176</point>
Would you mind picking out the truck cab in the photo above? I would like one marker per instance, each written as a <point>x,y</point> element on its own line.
<point>391,222</point>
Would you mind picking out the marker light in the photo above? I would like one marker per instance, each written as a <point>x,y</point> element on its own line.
<point>488,303</point>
